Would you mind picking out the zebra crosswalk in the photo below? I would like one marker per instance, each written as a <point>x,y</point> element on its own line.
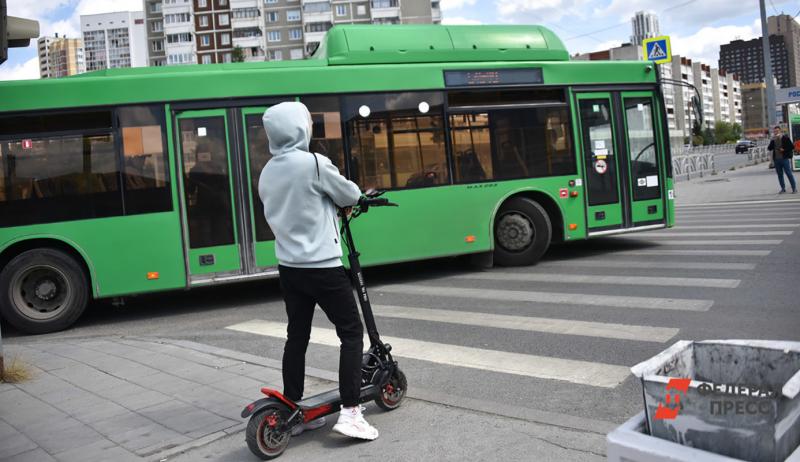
<point>545,322</point>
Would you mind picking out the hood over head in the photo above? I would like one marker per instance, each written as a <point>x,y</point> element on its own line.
<point>288,127</point>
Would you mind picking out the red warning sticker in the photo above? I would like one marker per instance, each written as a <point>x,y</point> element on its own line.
<point>563,193</point>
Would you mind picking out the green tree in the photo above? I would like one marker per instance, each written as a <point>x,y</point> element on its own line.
<point>737,132</point>
<point>238,55</point>
<point>723,132</point>
<point>708,136</point>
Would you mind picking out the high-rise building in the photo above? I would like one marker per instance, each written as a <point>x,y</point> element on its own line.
<point>788,28</point>
<point>214,31</point>
<point>644,25</point>
<point>60,57</point>
<point>754,101</point>
<point>114,40</point>
<point>746,59</point>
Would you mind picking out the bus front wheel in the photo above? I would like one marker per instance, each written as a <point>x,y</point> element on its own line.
<point>43,290</point>
<point>522,232</point>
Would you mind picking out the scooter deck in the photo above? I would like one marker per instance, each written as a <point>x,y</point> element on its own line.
<point>332,398</point>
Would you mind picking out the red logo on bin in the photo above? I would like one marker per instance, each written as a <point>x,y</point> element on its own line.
<point>673,404</point>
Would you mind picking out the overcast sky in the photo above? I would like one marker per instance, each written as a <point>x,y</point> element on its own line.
<point>697,27</point>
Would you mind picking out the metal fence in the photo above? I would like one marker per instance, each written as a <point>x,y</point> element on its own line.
<point>688,166</point>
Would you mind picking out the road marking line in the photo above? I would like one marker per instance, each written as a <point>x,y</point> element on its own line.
<point>758,225</point>
<point>720,242</point>
<point>714,204</point>
<point>531,324</point>
<point>602,279</point>
<point>734,213</point>
<point>738,253</point>
<point>542,367</point>
<point>569,299</point>
<point>678,233</point>
<point>646,264</point>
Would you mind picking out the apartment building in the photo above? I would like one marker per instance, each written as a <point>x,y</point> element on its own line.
<point>114,40</point>
<point>212,31</point>
<point>644,25</point>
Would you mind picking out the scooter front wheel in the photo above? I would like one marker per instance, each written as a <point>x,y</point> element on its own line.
<point>263,436</point>
<point>393,393</point>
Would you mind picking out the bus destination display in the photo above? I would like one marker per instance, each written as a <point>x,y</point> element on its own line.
<point>479,78</point>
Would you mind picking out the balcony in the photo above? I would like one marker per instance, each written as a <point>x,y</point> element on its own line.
<point>241,23</point>
<point>247,42</point>
<point>244,4</point>
<point>380,13</point>
<point>325,16</point>
<point>314,36</point>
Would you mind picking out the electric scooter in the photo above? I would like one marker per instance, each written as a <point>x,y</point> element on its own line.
<point>272,418</point>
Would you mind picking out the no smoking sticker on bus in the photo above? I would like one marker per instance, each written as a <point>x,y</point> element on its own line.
<point>600,166</point>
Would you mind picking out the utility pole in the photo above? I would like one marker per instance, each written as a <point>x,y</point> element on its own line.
<point>771,116</point>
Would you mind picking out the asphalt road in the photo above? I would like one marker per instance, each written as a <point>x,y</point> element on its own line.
<point>550,343</point>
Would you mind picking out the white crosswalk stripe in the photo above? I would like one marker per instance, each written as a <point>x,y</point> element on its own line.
<point>602,279</point>
<point>717,242</point>
<point>544,367</point>
<point>681,265</point>
<point>677,232</point>
<point>530,324</point>
<point>692,252</point>
<point>759,226</point>
<point>567,299</point>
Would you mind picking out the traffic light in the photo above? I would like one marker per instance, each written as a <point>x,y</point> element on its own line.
<point>15,32</point>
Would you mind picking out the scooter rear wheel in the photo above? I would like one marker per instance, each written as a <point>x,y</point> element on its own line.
<point>262,435</point>
<point>393,392</point>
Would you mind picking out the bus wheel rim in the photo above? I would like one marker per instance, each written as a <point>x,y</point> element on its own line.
<point>515,232</point>
<point>41,292</point>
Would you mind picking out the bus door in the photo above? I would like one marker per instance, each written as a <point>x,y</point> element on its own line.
<point>210,220</point>
<point>256,153</point>
<point>620,155</point>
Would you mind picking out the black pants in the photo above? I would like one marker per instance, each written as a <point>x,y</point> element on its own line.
<point>330,288</point>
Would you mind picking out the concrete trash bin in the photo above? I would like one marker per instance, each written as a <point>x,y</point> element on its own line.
<point>737,398</point>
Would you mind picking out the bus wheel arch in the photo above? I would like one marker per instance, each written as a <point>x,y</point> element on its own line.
<point>523,227</point>
<point>45,285</point>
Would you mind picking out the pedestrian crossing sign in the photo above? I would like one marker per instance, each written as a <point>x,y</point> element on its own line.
<point>657,50</point>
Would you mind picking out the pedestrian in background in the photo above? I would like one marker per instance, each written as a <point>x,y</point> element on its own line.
<point>782,149</point>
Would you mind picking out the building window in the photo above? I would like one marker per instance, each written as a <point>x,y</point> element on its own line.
<point>318,26</point>
<point>245,13</point>
<point>179,38</point>
<point>202,3</point>
<point>293,15</point>
<point>341,10</point>
<point>268,2</point>
<point>362,10</point>
<point>275,55</point>
<point>227,57</point>
<point>225,39</point>
<point>224,19</point>
<point>145,171</point>
<point>205,40</point>
<point>272,16</point>
<point>157,45</point>
<point>177,18</point>
<point>204,21</point>
<point>206,59</point>
<point>223,2</point>
<point>154,8</point>
<point>296,34</point>
<point>384,3</point>
<point>296,53</point>
<point>396,145</point>
<point>274,36</point>
<point>156,26</point>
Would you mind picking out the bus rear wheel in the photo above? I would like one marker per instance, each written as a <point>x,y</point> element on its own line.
<point>43,290</point>
<point>522,232</point>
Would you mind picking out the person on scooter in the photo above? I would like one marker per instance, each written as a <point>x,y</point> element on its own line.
<point>300,191</point>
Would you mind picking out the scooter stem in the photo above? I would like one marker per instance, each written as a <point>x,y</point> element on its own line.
<point>360,286</point>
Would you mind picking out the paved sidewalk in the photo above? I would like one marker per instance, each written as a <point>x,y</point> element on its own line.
<point>121,399</point>
<point>141,399</point>
<point>757,182</point>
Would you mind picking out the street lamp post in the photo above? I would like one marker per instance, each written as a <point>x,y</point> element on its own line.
<point>767,67</point>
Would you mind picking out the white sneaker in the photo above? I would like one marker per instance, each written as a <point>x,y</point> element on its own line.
<point>313,425</point>
<point>351,423</point>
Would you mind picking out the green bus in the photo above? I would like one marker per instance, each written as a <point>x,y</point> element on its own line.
<point>794,133</point>
<point>128,181</point>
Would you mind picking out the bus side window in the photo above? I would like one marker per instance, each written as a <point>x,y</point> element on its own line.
<point>146,179</point>
<point>58,167</point>
<point>326,133</point>
<point>396,140</point>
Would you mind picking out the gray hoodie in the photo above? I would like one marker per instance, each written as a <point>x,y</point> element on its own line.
<point>300,195</point>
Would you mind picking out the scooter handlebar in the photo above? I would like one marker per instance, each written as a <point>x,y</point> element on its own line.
<point>366,202</point>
